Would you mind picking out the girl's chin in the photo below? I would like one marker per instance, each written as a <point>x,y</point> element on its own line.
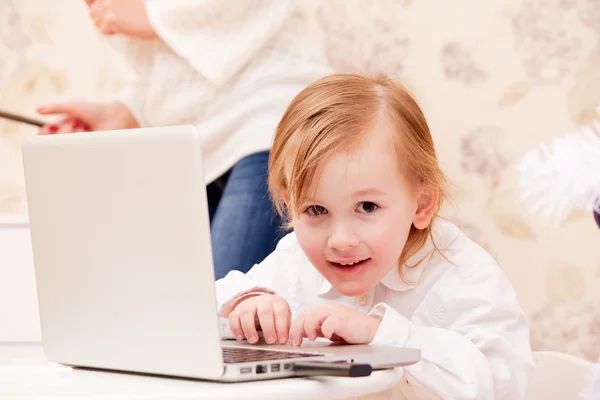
<point>348,291</point>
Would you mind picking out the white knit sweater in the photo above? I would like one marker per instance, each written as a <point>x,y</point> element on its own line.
<point>230,67</point>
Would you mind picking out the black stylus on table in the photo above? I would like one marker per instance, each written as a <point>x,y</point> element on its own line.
<point>20,118</point>
<point>315,368</point>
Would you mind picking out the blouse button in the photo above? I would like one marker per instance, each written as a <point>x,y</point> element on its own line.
<point>362,300</point>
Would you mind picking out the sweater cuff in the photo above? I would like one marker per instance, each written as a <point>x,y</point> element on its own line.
<point>231,289</point>
<point>394,328</point>
<point>132,97</point>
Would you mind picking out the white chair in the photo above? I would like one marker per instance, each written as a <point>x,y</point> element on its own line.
<point>557,376</point>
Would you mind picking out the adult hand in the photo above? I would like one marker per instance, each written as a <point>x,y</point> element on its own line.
<point>125,17</point>
<point>87,116</point>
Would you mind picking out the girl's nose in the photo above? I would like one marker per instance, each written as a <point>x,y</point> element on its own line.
<point>342,238</point>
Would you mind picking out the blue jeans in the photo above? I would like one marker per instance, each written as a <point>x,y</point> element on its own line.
<point>245,227</point>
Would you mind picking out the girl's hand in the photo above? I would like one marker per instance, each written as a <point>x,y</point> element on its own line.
<point>84,116</point>
<point>334,322</point>
<point>269,312</point>
<point>126,17</point>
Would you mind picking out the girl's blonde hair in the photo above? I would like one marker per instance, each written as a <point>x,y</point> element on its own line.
<point>336,113</point>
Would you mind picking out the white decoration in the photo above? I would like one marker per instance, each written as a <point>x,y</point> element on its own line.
<point>592,388</point>
<point>557,179</point>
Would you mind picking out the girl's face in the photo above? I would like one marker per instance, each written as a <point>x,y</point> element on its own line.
<point>355,225</point>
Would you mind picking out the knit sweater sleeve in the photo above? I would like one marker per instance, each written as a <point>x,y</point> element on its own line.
<point>133,59</point>
<point>217,37</point>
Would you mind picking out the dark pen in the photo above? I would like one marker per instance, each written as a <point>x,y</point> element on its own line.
<point>20,118</point>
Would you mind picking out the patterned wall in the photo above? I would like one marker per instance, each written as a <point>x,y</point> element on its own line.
<point>495,79</point>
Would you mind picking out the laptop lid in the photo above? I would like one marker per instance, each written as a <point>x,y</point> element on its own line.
<point>122,251</point>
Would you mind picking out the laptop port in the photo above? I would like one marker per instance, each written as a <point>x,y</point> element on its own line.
<point>246,370</point>
<point>287,366</point>
<point>275,367</point>
<point>261,368</point>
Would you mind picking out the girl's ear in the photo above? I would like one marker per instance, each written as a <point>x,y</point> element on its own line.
<point>426,207</point>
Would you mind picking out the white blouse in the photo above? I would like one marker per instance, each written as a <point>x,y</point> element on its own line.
<point>463,313</point>
<point>230,67</point>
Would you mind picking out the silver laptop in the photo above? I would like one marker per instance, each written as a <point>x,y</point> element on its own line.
<point>123,264</point>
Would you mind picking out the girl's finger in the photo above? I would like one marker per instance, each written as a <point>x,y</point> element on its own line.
<point>331,327</point>
<point>313,322</point>
<point>283,317</point>
<point>248,322</point>
<point>266,320</point>
<point>297,330</point>
<point>235,325</point>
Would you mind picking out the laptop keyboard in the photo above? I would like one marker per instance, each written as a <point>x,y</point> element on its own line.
<point>239,355</point>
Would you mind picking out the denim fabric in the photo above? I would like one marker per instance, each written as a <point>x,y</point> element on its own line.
<point>245,226</point>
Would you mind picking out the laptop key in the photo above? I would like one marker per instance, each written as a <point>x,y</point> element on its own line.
<point>238,355</point>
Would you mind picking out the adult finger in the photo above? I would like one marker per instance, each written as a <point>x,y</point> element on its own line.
<point>68,126</point>
<point>48,129</point>
<point>108,24</point>
<point>97,9</point>
<point>59,126</point>
<point>58,108</point>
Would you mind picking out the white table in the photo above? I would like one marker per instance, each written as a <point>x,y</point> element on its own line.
<point>25,372</point>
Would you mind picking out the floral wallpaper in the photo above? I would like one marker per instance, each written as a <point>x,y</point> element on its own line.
<point>47,50</point>
<point>495,78</point>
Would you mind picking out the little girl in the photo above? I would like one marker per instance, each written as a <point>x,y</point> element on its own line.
<point>353,168</point>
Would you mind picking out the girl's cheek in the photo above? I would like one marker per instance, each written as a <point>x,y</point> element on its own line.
<point>309,240</point>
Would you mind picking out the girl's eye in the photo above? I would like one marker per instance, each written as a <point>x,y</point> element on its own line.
<point>366,207</point>
<point>316,210</point>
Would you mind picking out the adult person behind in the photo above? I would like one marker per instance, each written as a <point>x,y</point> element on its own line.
<point>229,67</point>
